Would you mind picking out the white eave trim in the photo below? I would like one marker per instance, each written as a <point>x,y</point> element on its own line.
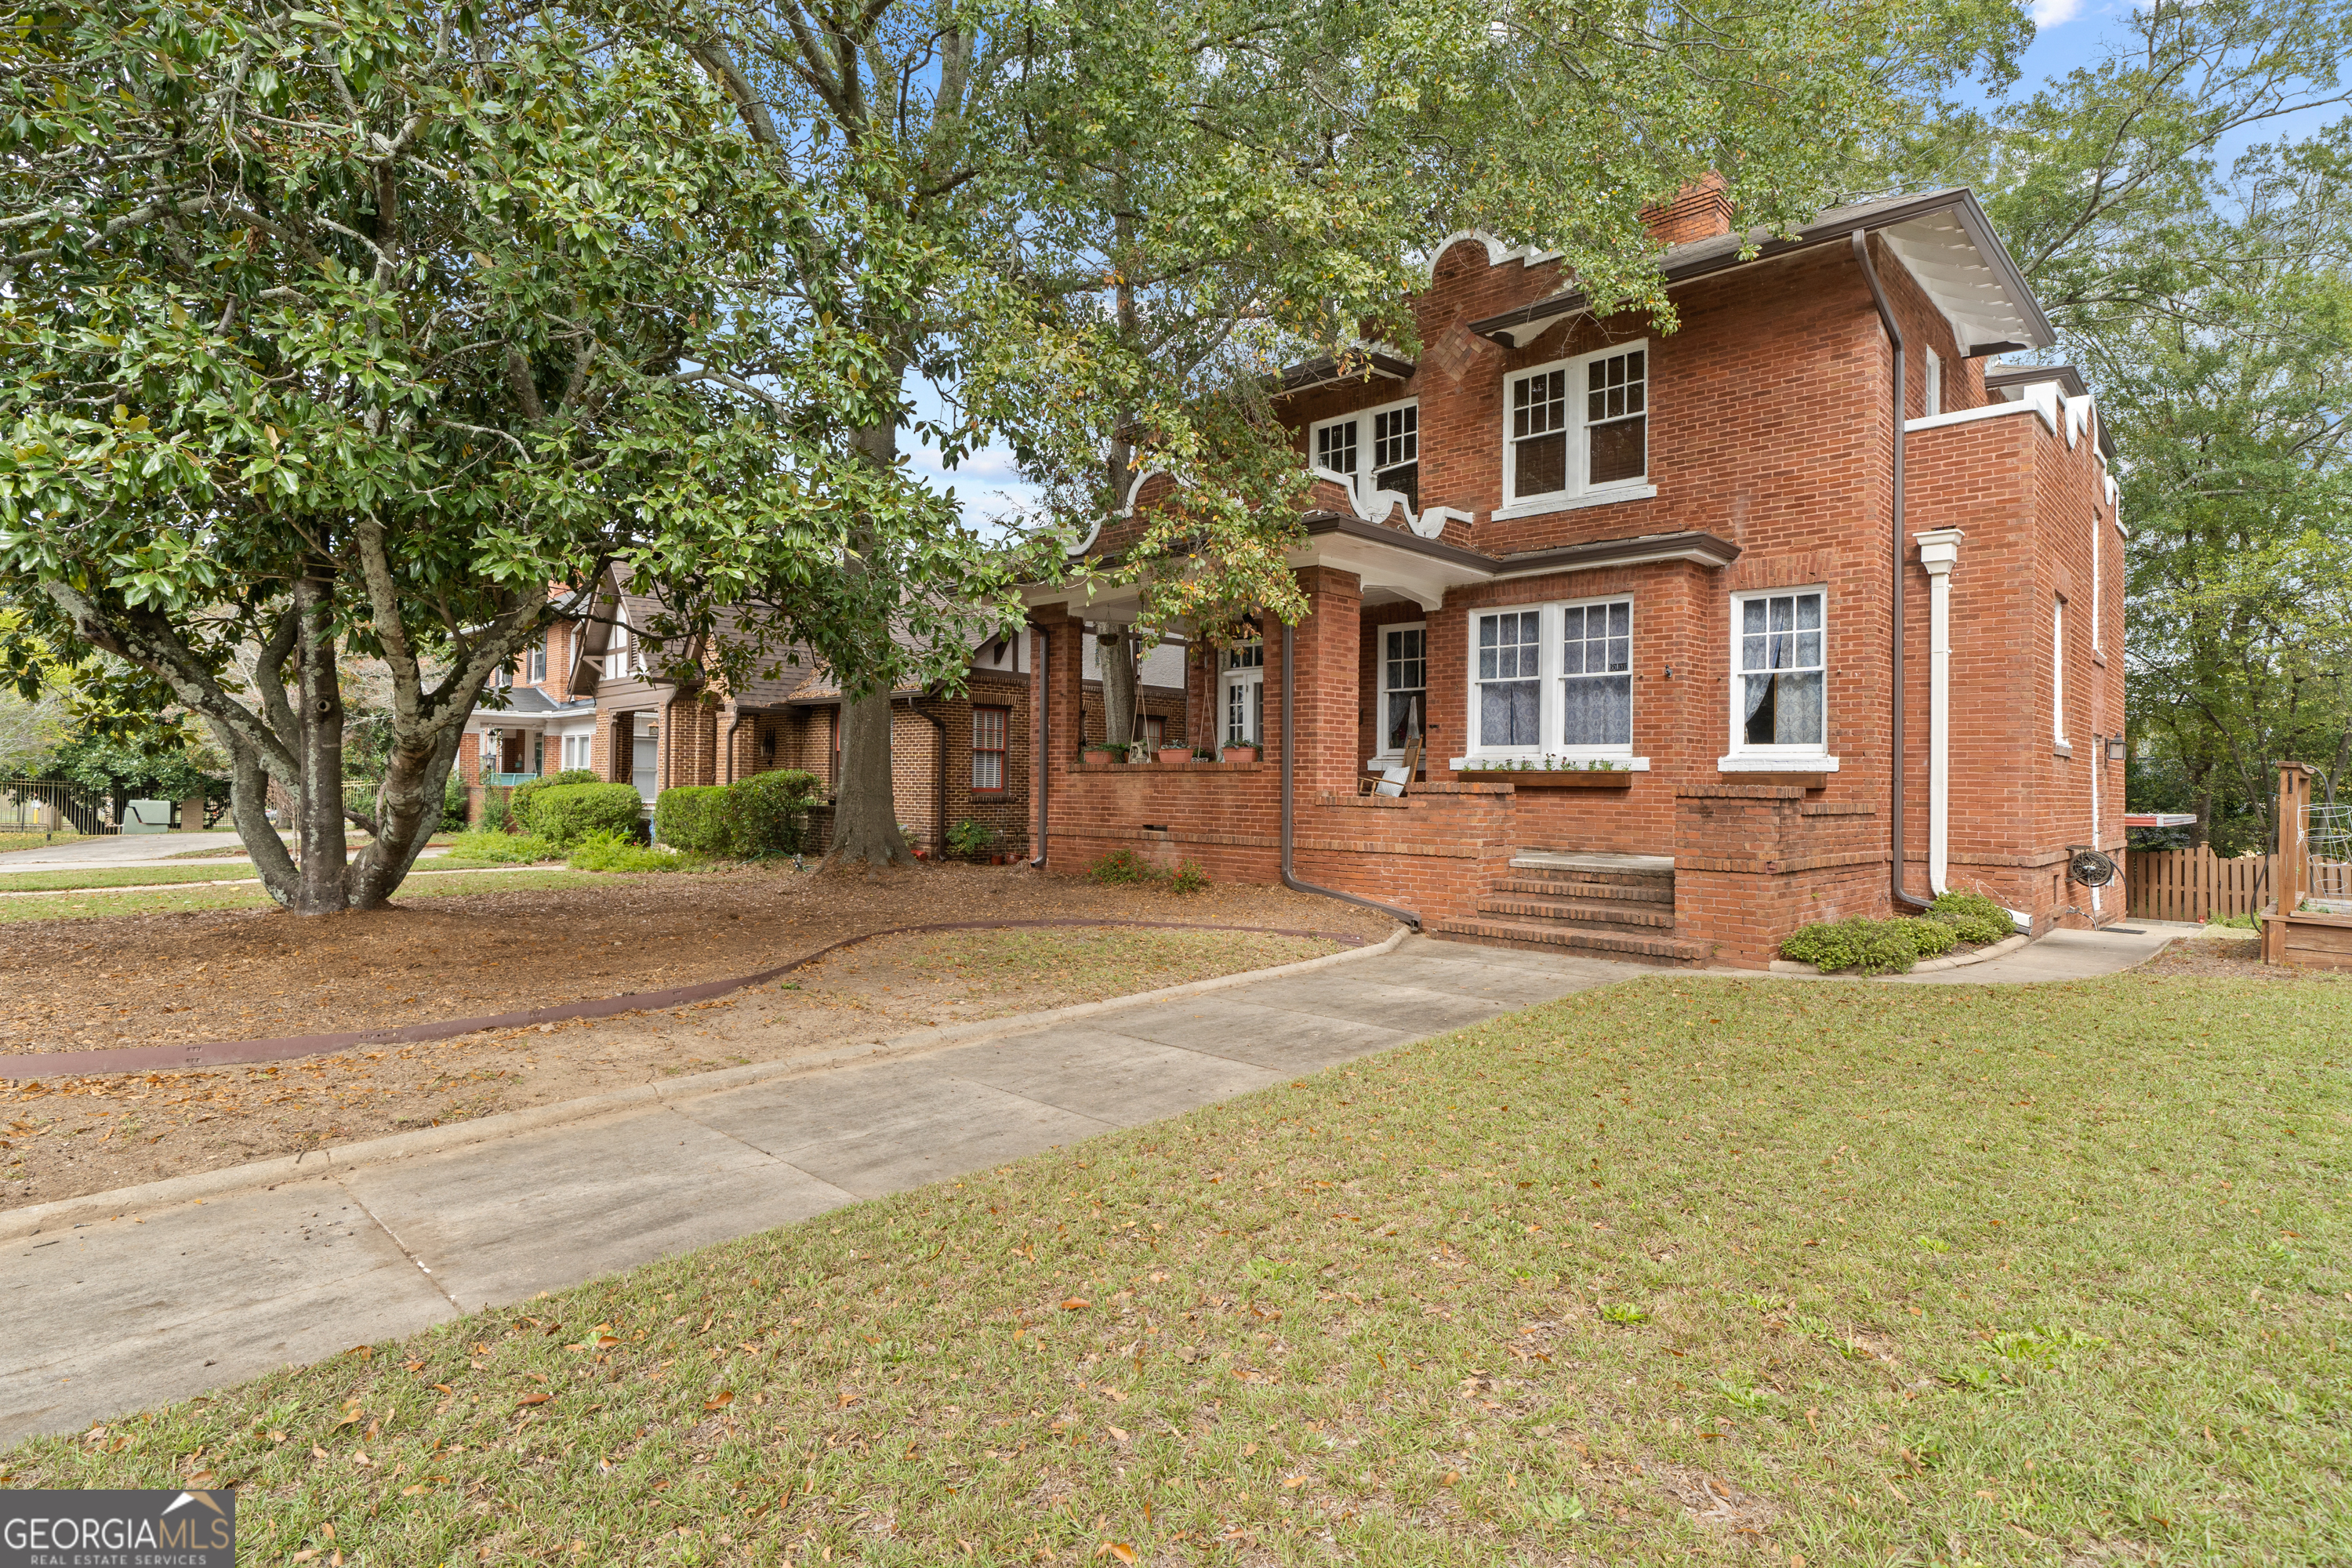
<point>1989,410</point>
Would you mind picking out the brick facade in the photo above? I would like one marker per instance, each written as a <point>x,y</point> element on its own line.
<point>1768,429</point>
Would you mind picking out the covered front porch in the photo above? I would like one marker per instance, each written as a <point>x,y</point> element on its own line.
<point>1616,849</point>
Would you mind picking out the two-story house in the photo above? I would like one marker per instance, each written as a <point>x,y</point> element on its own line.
<point>1802,610</point>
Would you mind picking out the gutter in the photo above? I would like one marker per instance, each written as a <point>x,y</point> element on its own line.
<point>1904,897</point>
<point>1289,753</point>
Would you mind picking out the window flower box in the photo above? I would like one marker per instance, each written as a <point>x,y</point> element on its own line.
<point>1239,754</point>
<point>1550,773</point>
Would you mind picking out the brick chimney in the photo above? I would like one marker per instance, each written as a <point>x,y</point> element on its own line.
<point>1699,211</point>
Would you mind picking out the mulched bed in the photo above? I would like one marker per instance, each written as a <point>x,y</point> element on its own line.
<point>229,974</point>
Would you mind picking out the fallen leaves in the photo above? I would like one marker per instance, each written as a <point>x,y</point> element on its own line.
<point>720,1400</point>
<point>1076,1304</point>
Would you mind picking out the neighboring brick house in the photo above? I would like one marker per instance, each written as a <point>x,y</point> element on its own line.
<point>588,698</point>
<point>1565,540</point>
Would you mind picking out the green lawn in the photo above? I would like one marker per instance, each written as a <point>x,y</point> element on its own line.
<point>1689,1270</point>
<point>120,877</point>
<point>69,906</point>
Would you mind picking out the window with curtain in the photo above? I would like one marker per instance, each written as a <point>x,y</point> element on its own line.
<point>1780,684</point>
<point>1404,685</point>
<point>988,750</point>
<point>1596,679</point>
<point>1510,648</point>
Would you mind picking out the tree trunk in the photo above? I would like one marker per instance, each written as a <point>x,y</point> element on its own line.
<point>865,808</point>
<point>1116,654</point>
<point>407,810</point>
<point>319,726</point>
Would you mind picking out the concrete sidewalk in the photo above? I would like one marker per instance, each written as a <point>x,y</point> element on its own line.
<point>2062,956</point>
<point>158,1304</point>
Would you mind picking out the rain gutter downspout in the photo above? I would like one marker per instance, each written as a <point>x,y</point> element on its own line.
<point>1044,662</point>
<point>1289,751</point>
<point>1904,897</point>
<point>1939,551</point>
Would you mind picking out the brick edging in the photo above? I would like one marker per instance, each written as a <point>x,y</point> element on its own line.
<point>230,1053</point>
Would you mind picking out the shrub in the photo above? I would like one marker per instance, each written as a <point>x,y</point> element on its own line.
<point>1189,877</point>
<point>1973,917</point>
<point>691,817</point>
<point>1120,868</point>
<point>500,849</point>
<point>1929,939</point>
<point>1862,944</point>
<point>767,814</point>
<point>454,804</point>
<point>566,814</point>
<point>495,810</point>
<point>605,850</point>
<point>520,804</point>
<point>970,839</point>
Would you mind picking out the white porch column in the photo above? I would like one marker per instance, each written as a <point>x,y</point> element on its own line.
<point>1939,550</point>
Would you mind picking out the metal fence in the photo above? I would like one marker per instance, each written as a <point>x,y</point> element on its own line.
<point>50,807</point>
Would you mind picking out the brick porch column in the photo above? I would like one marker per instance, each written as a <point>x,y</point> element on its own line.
<point>1327,658</point>
<point>1061,674</point>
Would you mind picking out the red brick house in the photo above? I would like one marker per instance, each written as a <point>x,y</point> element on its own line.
<point>590,697</point>
<point>1660,574</point>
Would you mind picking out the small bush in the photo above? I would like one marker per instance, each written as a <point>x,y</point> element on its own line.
<point>1862,944</point>
<point>1931,937</point>
<point>1122,868</point>
<point>691,817</point>
<point>608,851</point>
<point>454,804</point>
<point>971,840</point>
<point>1974,918</point>
<point>499,850</point>
<point>767,814</point>
<point>567,813</point>
<point>496,813</point>
<point>520,804</point>
<point>1189,877</point>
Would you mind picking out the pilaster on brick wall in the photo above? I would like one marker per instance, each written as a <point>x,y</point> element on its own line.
<point>1324,671</point>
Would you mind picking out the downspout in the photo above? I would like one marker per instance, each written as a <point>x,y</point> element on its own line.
<point>1045,662</point>
<point>1903,899</point>
<point>1289,751</point>
<point>731,729</point>
<point>1939,550</point>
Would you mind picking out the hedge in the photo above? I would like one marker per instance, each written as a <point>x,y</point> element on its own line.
<point>766,814</point>
<point>518,804</point>
<point>565,813</point>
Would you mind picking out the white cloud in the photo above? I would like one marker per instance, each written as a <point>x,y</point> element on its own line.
<point>2055,12</point>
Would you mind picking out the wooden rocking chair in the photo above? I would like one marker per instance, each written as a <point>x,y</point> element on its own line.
<point>1393,781</point>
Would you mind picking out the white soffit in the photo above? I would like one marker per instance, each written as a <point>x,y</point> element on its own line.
<point>1962,281</point>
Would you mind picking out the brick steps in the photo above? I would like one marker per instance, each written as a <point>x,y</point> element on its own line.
<point>1657,916</point>
<point>1647,891</point>
<point>1551,937</point>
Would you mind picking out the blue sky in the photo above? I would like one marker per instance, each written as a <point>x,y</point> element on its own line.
<point>2068,35</point>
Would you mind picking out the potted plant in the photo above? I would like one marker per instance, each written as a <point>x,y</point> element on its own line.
<point>1098,751</point>
<point>1174,755</point>
<point>1245,752</point>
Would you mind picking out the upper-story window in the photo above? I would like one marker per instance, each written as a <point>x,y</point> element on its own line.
<point>539,660</point>
<point>1377,449</point>
<point>1577,427</point>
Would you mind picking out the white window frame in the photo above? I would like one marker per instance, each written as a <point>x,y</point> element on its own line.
<point>1740,755</point>
<point>1246,675</point>
<point>1931,386</point>
<point>1382,751</point>
<point>1550,710</point>
<point>2058,674</point>
<point>1580,491</point>
<point>1360,481</point>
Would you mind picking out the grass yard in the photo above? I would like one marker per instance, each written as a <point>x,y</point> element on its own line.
<point>167,901</point>
<point>1690,1270</point>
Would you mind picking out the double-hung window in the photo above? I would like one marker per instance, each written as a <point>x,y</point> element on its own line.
<point>1780,673</point>
<point>1404,685</point>
<point>539,660</point>
<point>1578,427</point>
<point>988,750</point>
<point>1553,680</point>
<point>1241,697</point>
<point>1378,449</point>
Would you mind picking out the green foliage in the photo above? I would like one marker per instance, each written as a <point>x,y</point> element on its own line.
<point>971,840</point>
<point>1931,937</point>
<point>498,812</point>
<point>1120,869</point>
<point>766,814</point>
<point>158,771</point>
<point>609,851</point>
<point>455,806</point>
<point>1860,943</point>
<point>520,801</point>
<point>1972,917</point>
<point>1189,877</point>
<point>567,813</point>
<point>490,847</point>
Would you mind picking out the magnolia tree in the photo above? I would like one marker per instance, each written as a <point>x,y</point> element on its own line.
<point>387,332</point>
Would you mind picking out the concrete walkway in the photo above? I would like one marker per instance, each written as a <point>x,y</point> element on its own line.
<point>149,1301</point>
<point>120,1313</point>
<point>117,850</point>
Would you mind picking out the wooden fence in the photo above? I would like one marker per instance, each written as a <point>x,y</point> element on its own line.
<point>2199,885</point>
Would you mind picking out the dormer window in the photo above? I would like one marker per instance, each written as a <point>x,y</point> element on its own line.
<point>1389,437</point>
<point>1577,427</point>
